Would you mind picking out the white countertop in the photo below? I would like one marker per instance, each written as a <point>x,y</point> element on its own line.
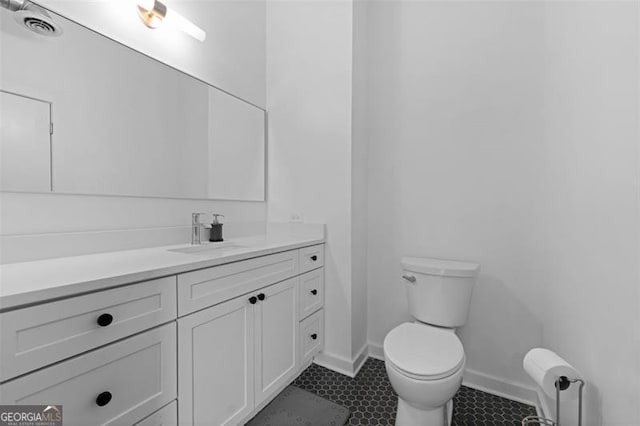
<point>34,282</point>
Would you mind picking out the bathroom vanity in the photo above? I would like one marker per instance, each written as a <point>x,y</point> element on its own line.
<point>162,335</point>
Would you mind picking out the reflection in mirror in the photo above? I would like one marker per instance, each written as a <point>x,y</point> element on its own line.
<point>123,123</point>
<point>25,143</point>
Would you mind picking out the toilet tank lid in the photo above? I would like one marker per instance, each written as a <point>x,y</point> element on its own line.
<point>440,267</point>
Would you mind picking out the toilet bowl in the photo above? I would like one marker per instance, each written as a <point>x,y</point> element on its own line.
<point>425,365</point>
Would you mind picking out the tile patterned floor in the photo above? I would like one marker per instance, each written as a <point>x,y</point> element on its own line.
<point>372,400</point>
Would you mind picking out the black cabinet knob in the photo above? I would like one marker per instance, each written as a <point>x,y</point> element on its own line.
<point>314,291</point>
<point>105,319</point>
<point>314,336</point>
<point>314,257</point>
<point>253,300</point>
<point>261,297</point>
<point>103,399</point>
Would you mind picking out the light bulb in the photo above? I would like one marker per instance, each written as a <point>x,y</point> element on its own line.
<point>174,19</point>
<point>153,13</point>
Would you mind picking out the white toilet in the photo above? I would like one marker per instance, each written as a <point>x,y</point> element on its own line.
<point>425,359</point>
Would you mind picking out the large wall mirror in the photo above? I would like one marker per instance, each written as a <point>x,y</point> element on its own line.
<point>82,114</point>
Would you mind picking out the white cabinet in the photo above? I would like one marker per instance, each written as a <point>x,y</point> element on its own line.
<point>216,358</point>
<point>244,330</point>
<point>115,385</point>
<point>310,303</point>
<point>234,355</point>
<point>276,338</point>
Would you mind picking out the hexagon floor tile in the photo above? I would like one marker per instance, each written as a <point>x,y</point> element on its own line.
<point>372,401</point>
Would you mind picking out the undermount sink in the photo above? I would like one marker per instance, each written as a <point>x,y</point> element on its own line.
<point>208,248</point>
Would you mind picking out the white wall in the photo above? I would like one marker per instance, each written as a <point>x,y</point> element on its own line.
<point>309,102</point>
<point>454,131</point>
<point>591,205</point>
<point>359,212</point>
<point>507,133</point>
<point>232,57</point>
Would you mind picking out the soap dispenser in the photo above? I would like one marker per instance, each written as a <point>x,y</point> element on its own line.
<point>216,229</point>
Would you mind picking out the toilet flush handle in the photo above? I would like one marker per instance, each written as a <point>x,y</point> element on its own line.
<point>409,278</point>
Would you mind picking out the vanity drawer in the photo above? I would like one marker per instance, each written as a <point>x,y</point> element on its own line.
<point>311,257</point>
<point>43,334</point>
<point>119,384</point>
<point>167,416</point>
<point>206,287</point>
<point>311,292</point>
<point>311,336</point>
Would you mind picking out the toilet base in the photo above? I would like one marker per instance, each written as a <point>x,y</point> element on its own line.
<point>408,415</point>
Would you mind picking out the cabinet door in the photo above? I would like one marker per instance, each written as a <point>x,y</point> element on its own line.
<point>276,320</point>
<point>215,364</point>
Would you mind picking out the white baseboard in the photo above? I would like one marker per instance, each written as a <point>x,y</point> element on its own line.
<point>361,358</point>
<point>340,364</point>
<point>541,405</point>
<point>376,351</point>
<point>500,387</point>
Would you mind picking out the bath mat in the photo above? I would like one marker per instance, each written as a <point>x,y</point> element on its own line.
<point>297,407</point>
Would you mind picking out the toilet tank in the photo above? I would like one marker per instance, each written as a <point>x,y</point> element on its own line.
<point>439,291</point>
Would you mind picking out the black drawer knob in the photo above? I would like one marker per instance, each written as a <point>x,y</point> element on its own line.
<point>314,291</point>
<point>261,297</point>
<point>314,257</point>
<point>103,399</point>
<point>253,300</point>
<point>105,319</point>
<point>314,336</point>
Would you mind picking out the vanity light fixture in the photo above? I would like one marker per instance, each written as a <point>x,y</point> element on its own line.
<point>154,12</point>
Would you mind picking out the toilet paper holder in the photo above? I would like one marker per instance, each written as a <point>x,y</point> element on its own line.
<point>561,383</point>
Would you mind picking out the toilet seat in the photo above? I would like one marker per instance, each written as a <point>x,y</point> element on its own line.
<point>423,352</point>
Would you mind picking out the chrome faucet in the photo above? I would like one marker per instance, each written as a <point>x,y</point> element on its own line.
<point>196,229</point>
